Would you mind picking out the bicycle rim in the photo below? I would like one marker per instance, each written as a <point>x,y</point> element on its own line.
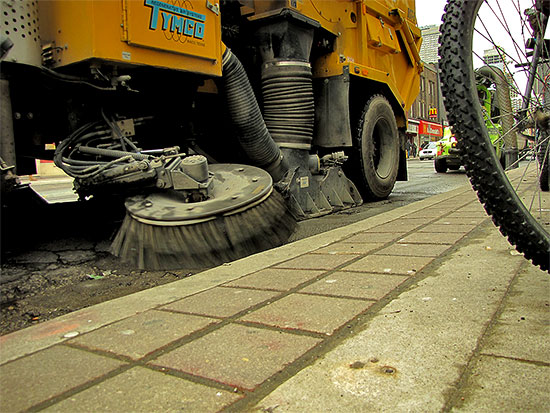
<point>512,197</point>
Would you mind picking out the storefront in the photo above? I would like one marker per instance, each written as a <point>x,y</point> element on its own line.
<point>420,132</point>
<point>412,135</point>
<point>429,131</point>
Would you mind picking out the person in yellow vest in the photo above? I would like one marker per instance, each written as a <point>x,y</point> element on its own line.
<point>448,155</point>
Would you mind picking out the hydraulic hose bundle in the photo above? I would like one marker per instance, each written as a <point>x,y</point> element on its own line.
<point>246,116</point>
<point>232,222</point>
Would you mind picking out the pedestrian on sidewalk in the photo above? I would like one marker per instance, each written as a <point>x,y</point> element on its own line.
<point>408,148</point>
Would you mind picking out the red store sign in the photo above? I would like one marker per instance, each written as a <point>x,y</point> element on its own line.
<point>430,128</point>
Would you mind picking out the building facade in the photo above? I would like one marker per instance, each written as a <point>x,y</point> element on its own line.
<point>430,44</point>
<point>427,115</point>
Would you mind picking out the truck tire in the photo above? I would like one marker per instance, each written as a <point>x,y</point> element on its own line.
<point>375,161</point>
<point>440,165</point>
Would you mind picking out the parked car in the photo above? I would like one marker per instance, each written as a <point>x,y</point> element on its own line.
<point>428,152</point>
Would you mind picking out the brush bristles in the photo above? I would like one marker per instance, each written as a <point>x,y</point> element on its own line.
<point>224,239</point>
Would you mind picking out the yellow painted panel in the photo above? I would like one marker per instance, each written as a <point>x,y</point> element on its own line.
<point>190,30</point>
<point>368,38</point>
<point>61,23</point>
<point>120,31</point>
<point>381,35</point>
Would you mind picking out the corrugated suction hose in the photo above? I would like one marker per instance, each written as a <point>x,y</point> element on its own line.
<point>502,96</point>
<point>247,118</point>
<point>289,109</point>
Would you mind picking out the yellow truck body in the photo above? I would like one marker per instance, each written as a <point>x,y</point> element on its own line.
<point>375,39</point>
<point>315,92</point>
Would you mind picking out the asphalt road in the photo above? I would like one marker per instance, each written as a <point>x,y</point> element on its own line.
<point>423,182</point>
<point>62,211</point>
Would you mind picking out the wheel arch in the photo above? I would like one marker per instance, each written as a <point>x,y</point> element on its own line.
<point>361,90</point>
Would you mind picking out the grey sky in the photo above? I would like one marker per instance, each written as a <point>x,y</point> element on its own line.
<point>429,11</point>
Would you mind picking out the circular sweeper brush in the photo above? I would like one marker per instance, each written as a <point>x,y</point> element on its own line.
<point>242,215</point>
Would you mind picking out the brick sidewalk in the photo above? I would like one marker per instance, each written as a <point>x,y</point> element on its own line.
<point>229,336</point>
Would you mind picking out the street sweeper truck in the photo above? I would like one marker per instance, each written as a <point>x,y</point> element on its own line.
<point>217,123</point>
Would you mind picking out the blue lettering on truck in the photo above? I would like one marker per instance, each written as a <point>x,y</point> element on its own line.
<point>176,19</point>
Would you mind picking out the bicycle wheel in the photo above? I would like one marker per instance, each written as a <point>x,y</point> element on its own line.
<point>486,126</point>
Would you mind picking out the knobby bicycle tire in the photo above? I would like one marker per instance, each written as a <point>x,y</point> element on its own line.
<point>479,158</point>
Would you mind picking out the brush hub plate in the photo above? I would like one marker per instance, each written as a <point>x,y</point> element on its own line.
<point>235,188</point>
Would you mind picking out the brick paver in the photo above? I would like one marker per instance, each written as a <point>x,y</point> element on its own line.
<point>238,355</point>
<point>443,227</point>
<point>280,279</point>
<point>372,236</point>
<point>428,213</point>
<point>400,225</point>
<point>307,312</point>
<point>432,238</point>
<point>456,202</point>
<point>474,206</point>
<point>137,336</point>
<point>43,375</point>
<point>339,248</point>
<point>358,285</point>
<point>454,220</point>
<point>475,216</point>
<point>389,264</point>
<point>316,261</point>
<point>143,390</point>
<point>414,250</point>
<point>220,301</point>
